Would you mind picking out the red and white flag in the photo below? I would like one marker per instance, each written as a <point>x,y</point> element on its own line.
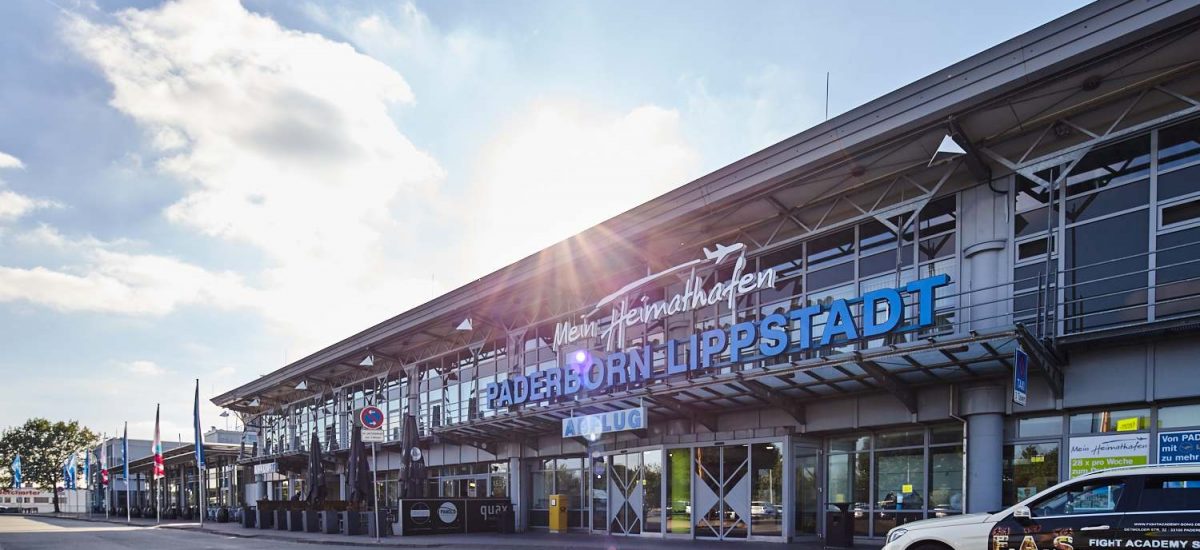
<point>104,464</point>
<point>159,470</point>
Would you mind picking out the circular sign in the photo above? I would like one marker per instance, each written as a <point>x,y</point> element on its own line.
<point>415,454</point>
<point>447,512</point>
<point>419,513</point>
<point>371,417</point>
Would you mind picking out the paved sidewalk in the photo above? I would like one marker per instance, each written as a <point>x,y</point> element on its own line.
<point>483,541</point>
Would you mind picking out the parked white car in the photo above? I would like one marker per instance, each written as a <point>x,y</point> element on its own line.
<point>1136,507</point>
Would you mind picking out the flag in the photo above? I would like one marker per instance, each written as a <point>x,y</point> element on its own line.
<point>196,424</point>
<point>159,470</point>
<point>104,464</point>
<point>125,454</point>
<point>73,468</point>
<point>68,471</point>
<point>87,467</point>
<point>16,472</point>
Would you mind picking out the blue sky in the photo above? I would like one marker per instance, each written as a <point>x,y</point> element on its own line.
<point>210,189</point>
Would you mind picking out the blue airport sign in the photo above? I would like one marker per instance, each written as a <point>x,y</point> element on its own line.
<point>593,425</point>
<point>589,372</point>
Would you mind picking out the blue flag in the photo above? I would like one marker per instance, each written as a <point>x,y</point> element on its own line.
<point>196,423</point>
<point>16,472</point>
<point>72,467</point>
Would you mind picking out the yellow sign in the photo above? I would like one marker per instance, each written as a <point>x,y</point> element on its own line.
<point>1036,459</point>
<point>1128,424</point>
<point>906,488</point>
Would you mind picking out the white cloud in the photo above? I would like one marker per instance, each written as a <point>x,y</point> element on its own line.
<point>15,205</point>
<point>143,368</point>
<point>9,161</point>
<point>560,167</point>
<point>284,142</point>
<point>108,280</point>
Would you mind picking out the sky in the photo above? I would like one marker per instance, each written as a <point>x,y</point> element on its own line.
<point>210,189</point>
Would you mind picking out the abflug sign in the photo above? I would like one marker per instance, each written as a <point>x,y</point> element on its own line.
<point>590,372</point>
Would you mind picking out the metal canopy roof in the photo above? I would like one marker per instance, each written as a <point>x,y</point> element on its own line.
<point>1080,70</point>
<point>896,369</point>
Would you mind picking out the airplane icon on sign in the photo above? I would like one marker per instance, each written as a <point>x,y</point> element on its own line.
<point>722,251</point>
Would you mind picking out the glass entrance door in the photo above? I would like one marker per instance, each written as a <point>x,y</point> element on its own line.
<point>598,489</point>
<point>722,492</point>
<point>626,495</point>
<point>807,516</point>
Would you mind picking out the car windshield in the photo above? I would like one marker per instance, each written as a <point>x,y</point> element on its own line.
<point>1090,498</point>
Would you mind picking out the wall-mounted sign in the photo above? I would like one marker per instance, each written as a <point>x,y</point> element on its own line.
<point>1179,447</point>
<point>1020,377</point>
<point>769,337</point>
<point>1101,452</point>
<point>264,469</point>
<point>602,423</point>
<point>628,309</point>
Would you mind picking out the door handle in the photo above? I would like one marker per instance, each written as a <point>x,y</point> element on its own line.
<point>1094,528</point>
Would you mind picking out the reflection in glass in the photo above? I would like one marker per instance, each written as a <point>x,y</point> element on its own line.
<point>652,470</point>
<point>766,493</point>
<point>806,491</point>
<point>945,481</point>
<point>679,491</point>
<point>1028,469</point>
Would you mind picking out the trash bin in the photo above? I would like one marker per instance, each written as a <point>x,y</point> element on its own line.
<point>839,525</point>
<point>506,521</point>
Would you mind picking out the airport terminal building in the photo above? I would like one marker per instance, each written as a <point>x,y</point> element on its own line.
<point>940,302</point>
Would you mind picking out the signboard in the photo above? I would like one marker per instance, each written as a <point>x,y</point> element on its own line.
<point>1179,447</point>
<point>602,423</point>
<point>443,516</point>
<point>774,335</point>
<point>268,468</point>
<point>374,436</point>
<point>1100,452</point>
<point>371,417</point>
<point>1020,377</point>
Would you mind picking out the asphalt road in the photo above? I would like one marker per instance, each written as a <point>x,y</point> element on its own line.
<point>20,533</point>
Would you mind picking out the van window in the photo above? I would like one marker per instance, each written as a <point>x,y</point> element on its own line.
<point>1097,497</point>
<point>1169,493</point>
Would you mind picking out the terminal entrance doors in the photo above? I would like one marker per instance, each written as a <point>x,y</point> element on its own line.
<point>721,481</point>
<point>626,494</point>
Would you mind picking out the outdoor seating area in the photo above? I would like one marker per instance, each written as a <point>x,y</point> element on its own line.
<point>328,517</point>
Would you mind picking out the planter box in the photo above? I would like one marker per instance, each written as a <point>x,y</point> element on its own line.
<point>352,524</point>
<point>265,518</point>
<point>311,524</point>
<point>295,520</point>
<point>329,522</point>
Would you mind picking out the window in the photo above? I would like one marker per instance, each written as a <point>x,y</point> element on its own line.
<point>1096,497</point>
<point>1179,214</point>
<point>1040,426</point>
<point>1179,416</point>
<point>1029,468</point>
<point>1110,421</point>
<point>1170,493</point>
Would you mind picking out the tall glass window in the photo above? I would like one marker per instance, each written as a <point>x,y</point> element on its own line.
<point>766,489</point>
<point>679,491</point>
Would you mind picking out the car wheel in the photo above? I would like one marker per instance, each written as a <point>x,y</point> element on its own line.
<point>929,546</point>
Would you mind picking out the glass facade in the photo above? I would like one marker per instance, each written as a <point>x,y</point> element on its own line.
<point>1117,241</point>
<point>892,477</point>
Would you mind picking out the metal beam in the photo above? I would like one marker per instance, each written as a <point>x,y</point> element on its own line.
<point>704,419</point>
<point>889,382</point>
<point>764,392</point>
<point>1043,357</point>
